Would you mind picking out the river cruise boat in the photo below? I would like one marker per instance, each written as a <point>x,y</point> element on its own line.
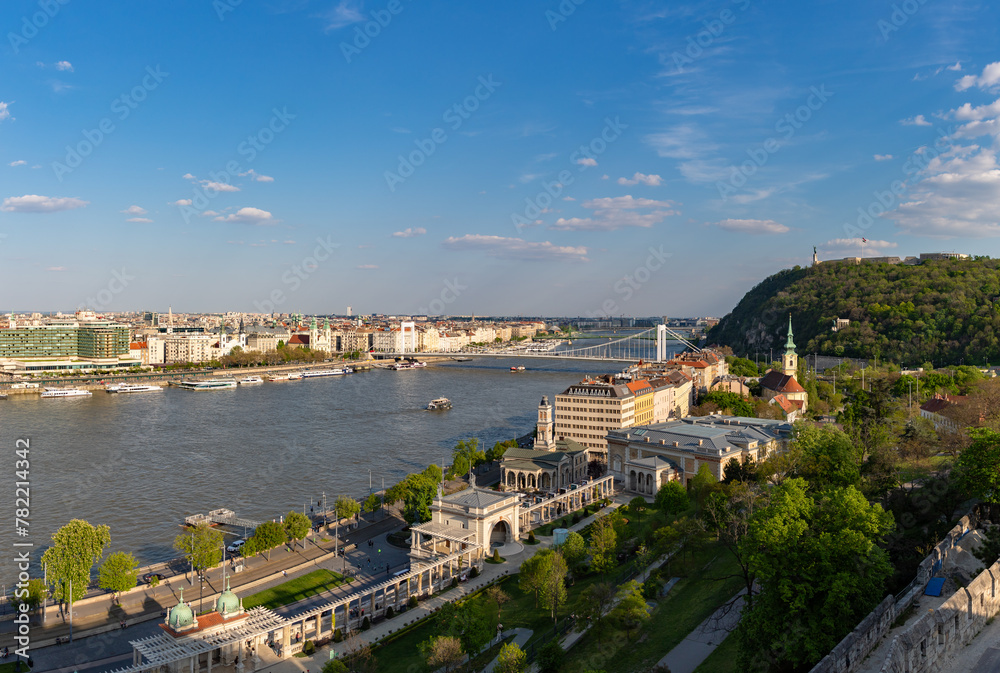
<point>440,404</point>
<point>66,392</point>
<point>250,380</point>
<point>340,371</point>
<point>216,384</point>
<point>410,364</point>
<point>294,376</point>
<point>131,388</point>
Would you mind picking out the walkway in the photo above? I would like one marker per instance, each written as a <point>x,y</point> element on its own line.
<point>521,637</point>
<point>701,642</point>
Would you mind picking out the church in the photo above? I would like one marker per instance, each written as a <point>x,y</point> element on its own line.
<point>782,384</point>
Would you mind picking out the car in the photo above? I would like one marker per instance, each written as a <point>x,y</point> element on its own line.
<point>148,577</point>
<point>235,547</point>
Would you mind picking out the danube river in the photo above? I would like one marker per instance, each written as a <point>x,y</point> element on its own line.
<point>141,462</point>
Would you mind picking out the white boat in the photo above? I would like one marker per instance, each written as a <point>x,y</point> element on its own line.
<point>340,371</point>
<point>294,376</point>
<point>277,377</point>
<point>440,404</point>
<point>250,380</point>
<point>215,384</point>
<point>519,368</point>
<point>131,388</point>
<point>66,392</point>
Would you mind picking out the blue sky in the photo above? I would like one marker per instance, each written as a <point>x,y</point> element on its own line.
<point>582,157</point>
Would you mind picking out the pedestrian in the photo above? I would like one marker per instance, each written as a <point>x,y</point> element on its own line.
<point>284,573</point>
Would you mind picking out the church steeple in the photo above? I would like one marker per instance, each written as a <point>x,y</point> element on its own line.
<point>790,361</point>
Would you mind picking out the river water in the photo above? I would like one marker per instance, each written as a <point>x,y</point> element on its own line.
<point>142,462</point>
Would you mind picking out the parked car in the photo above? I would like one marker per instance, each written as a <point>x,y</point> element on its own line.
<point>235,547</point>
<point>148,577</point>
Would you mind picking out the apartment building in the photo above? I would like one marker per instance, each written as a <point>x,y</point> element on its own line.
<point>585,412</point>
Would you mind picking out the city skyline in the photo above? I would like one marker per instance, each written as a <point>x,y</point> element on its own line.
<point>558,159</point>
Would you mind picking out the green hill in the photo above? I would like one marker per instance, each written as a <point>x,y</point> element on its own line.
<point>943,312</point>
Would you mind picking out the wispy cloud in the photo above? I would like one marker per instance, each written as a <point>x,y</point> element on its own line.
<point>247,215</point>
<point>410,232</point>
<point>181,202</point>
<point>32,203</point>
<point>55,268</point>
<point>344,14</point>
<point>19,162</point>
<point>617,212</point>
<point>134,210</point>
<point>648,180</point>
<point>516,248</point>
<point>915,121</point>
<point>883,157</point>
<point>367,266</point>
<point>587,161</point>
<point>141,220</point>
<point>853,245</point>
<point>257,176</point>
<point>5,111</point>
<point>64,66</point>
<point>752,226</point>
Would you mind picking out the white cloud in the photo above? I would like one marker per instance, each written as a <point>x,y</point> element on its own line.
<point>969,113</point>
<point>134,210</point>
<point>410,232</point>
<point>613,213</point>
<point>32,203</point>
<point>915,121</point>
<point>56,268</point>
<point>854,245</point>
<point>219,186</point>
<point>516,248</point>
<point>257,176</point>
<point>248,215</point>
<point>752,226</point>
<point>883,157</point>
<point>211,213</point>
<point>367,266</point>
<point>181,202</point>
<point>188,176</point>
<point>19,162</point>
<point>648,180</point>
<point>5,111</point>
<point>344,14</point>
<point>587,161</point>
<point>65,66</point>
<point>400,129</point>
<point>988,80</point>
<point>955,68</point>
<point>143,220</point>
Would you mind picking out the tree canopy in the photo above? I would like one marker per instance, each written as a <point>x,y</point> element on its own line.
<point>979,466</point>
<point>297,525</point>
<point>76,547</point>
<point>201,546</point>
<point>268,535</point>
<point>118,573</point>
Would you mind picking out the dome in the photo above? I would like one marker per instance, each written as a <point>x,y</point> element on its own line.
<point>181,615</point>
<point>228,603</point>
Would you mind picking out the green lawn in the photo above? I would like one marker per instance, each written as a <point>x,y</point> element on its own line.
<point>920,468</point>
<point>722,659</point>
<point>9,667</point>
<point>308,585</point>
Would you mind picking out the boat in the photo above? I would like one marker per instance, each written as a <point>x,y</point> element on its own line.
<point>131,388</point>
<point>519,368</point>
<point>440,404</point>
<point>340,371</point>
<point>215,384</point>
<point>249,380</point>
<point>66,392</point>
<point>462,359</point>
<point>408,364</point>
<point>294,376</point>
<point>277,377</point>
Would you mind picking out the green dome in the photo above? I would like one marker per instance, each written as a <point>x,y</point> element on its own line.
<point>181,615</point>
<point>228,603</point>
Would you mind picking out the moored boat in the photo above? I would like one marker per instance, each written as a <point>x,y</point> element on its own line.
<point>339,371</point>
<point>215,384</point>
<point>131,388</point>
<point>249,380</point>
<point>65,392</point>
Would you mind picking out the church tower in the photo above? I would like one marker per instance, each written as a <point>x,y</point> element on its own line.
<point>791,359</point>
<point>543,439</point>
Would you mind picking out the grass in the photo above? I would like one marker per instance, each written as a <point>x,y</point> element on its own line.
<point>296,589</point>
<point>696,596</point>
<point>722,659</point>
<point>490,559</point>
<point>921,468</point>
<point>9,667</point>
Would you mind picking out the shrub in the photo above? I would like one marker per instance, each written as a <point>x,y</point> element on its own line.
<point>389,612</point>
<point>474,572</point>
<point>576,518</point>
<point>338,636</point>
<point>366,624</point>
<point>454,582</point>
<point>531,537</point>
<point>651,588</point>
<point>308,648</point>
<point>550,657</point>
<point>412,602</point>
<point>496,556</point>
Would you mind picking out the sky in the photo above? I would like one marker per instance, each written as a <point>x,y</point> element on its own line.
<point>568,157</point>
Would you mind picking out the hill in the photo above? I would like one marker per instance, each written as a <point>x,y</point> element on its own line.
<point>944,312</point>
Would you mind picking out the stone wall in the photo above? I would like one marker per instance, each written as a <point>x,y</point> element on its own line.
<point>851,651</point>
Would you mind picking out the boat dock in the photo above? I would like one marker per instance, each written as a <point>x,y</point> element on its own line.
<point>225,517</point>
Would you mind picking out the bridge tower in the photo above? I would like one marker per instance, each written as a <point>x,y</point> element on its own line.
<point>661,343</point>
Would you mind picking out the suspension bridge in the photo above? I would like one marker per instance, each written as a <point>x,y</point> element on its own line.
<point>651,345</point>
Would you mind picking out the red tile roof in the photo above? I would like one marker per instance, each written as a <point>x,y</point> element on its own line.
<point>780,383</point>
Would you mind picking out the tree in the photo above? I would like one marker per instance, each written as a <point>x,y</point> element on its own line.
<point>496,594</point>
<point>574,550</point>
<point>201,546</point>
<point>118,573</point>
<point>638,505</point>
<point>603,545</point>
<point>346,507</point>
<point>672,498</point>
<point>372,503</point>
<point>729,516</point>
<point>554,584</point>
<point>297,526</point>
<point>742,471</point>
<point>269,535</point>
<point>703,483</point>
<point>467,454</point>
<point>596,603</point>
<point>829,457</point>
<point>550,657</point>
<point>31,595</point>
<point>533,571</point>
<point>76,547</point>
<point>797,617</point>
<point>979,466</point>
<point>334,666</point>
<point>511,659</point>
<point>443,652</point>
<point>631,609</point>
